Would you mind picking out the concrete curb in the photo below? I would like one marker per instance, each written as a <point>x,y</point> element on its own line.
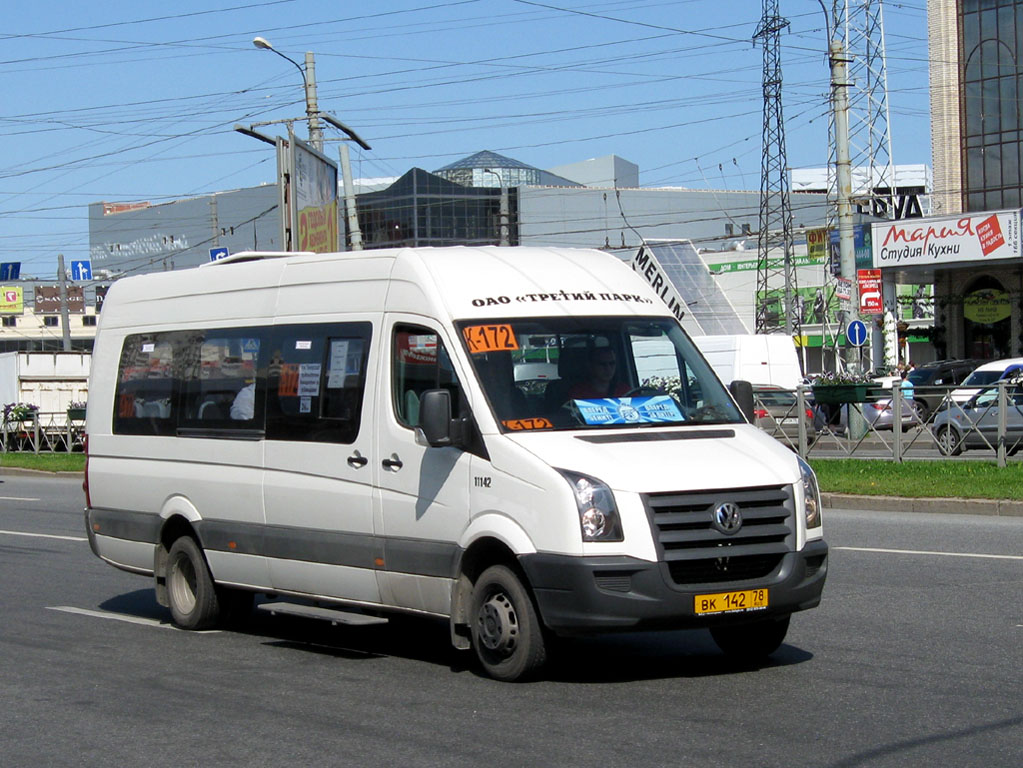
<point>991,507</point>
<point>37,472</point>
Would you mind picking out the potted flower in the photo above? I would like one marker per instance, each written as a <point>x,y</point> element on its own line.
<point>831,388</point>
<point>16,413</point>
<point>76,410</point>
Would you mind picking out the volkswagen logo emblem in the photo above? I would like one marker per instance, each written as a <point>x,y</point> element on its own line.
<point>727,518</point>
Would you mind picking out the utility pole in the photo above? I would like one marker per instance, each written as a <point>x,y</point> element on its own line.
<point>65,321</point>
<point>311,109</point>
<point>349,186</point>
<point>504,209</point>
<point>846,245</point>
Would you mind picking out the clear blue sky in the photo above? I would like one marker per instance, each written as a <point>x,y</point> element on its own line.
<point>125,101</point>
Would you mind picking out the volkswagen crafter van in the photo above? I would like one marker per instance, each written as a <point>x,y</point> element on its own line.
<point>347,434</point>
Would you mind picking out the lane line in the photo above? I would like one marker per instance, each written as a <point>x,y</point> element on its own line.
<point>123,617</point>
<point>43,535</point>
<point>928,552</point>
<point>16,498</point>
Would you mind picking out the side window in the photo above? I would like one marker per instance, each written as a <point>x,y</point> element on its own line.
<point>221,386</point>
<point>420,362</point>
<point>987,399</point>
<point>144,397</point>
<point>316,378</point>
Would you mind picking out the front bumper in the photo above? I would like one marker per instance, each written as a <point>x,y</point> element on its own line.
<point>583,595</point>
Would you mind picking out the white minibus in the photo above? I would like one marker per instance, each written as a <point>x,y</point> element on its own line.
<point>520,441</point>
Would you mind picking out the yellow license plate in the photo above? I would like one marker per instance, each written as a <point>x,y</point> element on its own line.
<point>732,602</point>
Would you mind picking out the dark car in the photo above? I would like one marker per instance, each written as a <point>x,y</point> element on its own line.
<point>932,382</point>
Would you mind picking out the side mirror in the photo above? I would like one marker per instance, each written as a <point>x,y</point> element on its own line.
<point>435,426</point>
<point>742,391</point>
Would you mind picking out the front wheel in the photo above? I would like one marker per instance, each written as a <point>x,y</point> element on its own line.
<point>948,442</point>
<point>190,591</point>
<point>506,632</point>
<point>751,642</point>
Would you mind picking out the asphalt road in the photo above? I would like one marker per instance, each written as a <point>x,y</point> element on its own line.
<point>914,658</point>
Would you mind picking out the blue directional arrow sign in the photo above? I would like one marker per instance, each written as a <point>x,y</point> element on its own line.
<point>856,333</point>
<point>218,253</point>
<point>81,270</point>
<point>10,270</point>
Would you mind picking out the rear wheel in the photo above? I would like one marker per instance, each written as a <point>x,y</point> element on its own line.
<point>506,631</point>
<point>949,442</point>
<point>751,642</point>
<point>190,591</point>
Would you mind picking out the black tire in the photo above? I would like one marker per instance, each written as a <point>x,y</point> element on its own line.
<point>506,631</point>
<point>190,592</point>
<point>751,642</point>
<point>949,444</point>
<point>235,605</point>
<point>922,411</point>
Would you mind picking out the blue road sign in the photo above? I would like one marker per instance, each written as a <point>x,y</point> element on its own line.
<point>219,253</point>
<point>81,270</point>
<point>10,270</point>
<point>856,333</point>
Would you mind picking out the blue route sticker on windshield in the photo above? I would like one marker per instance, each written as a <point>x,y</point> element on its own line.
<point>629,410</point>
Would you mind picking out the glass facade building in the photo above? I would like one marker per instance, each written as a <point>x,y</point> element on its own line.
<point>489,169</point>
<point>991,35</point>
<point>422,209</point>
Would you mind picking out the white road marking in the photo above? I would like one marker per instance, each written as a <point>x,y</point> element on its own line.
<point>928,552</point>
<point>43,535</point>
<point>122,617</point>
<point>17,498</point>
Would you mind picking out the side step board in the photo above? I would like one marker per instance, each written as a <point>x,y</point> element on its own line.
<point>332,615</point>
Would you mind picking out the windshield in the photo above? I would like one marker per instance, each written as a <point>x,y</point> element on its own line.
<point>594,373</point>
<point>921,375</point>
<point>983,377</point>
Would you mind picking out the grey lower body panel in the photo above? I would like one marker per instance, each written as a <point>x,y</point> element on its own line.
<point>584,595</point>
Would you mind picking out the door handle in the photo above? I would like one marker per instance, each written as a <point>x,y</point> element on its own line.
<point>357,461</point>
<point>394,463</point>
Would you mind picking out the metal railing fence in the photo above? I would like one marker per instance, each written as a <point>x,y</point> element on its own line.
<point>931,423</point>
<point>43,432</point>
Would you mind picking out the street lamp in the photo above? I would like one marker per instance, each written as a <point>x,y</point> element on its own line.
<point>309,81</point>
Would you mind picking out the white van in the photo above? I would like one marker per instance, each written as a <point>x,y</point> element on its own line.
<point>985,374</point>
<point>345,431</point>
<point>764,360</point>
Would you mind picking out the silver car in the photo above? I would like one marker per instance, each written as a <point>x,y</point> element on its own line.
<point>974,424</point>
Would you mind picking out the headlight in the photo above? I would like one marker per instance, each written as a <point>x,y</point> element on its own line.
<point>598,517</point>
<point>811,495</point>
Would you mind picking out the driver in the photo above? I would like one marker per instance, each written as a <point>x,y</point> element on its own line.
<point>599,380</point>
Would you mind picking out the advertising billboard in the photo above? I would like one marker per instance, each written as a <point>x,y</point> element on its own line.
<point>48,299</point>
<point>12,300</point>
<point>947,239</point>
<point>314,200</point>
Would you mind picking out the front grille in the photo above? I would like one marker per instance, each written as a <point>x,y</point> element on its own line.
<point>696,552</point>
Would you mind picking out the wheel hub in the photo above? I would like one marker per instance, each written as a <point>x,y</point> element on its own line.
<point>497,624</point>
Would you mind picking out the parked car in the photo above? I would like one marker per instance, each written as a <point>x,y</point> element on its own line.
<point>776,411</point>
<point>974,423</point>
<point>880,414</point>
<point>932,382</point>
<point>886,378</point>
<point>988,373</point>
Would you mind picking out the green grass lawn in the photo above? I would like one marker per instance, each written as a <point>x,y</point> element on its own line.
<point>934,479</point>
<point>46,462</point>
<point>965,479</point>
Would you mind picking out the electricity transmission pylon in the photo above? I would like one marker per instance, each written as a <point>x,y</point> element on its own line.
<point>860,24</point>
<point>774,272</point>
